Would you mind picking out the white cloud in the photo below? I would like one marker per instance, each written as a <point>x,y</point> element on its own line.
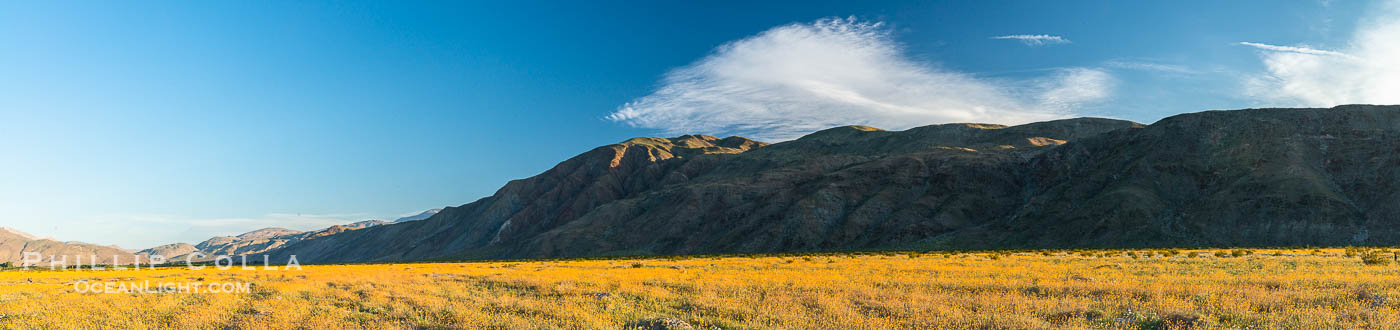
<point>795,79</point>
<point>1149,66</point>
<point>1293,49</point>
<point>1367,70</point>
<point>1071,87</point>
<point>1035,39</point>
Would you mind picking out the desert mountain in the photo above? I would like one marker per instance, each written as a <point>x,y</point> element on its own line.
<point>234,245</point>
<point>419,216</point>
<point>171,252</point>
<point>16,232</point>
<point>366,224</point>
<point>250,243</point>
<point>267,233</point>
<point>1246,177</point>
<point>14,244</point>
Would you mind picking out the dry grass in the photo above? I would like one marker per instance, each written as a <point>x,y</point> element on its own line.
<point>1154,289</point>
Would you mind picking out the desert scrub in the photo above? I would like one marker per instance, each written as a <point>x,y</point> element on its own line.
<point>1018,291</point>
<point>1377,259</point>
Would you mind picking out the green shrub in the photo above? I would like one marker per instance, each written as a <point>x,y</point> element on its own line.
<point>1376,259</point>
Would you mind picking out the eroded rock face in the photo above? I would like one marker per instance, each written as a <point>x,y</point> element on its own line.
<point>1247,177</point>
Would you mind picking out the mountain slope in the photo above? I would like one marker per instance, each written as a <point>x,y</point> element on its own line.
<point>419,216</point>
<point>14,244</point>
<point>267,233</point>
<point>530,206</point>
<point>1249,177</point>
<point>1246,177</point>
<point>171,252</point>
<point>702,194</point>
<point>366,224</point>
<point>17,233</point>
<point>255,242</point>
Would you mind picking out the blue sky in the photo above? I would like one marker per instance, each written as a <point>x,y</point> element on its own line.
<point>150,123</point>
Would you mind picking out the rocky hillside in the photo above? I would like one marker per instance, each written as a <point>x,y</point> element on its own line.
<point>17,233</point>
<point>1223,178</point>
<point>531,206</point>
<point>267,233</point>
<point>366,224</point>
<point>255,242</point>
<point>172,252</point>
<point>14,244</point>
<point>1246,177</point>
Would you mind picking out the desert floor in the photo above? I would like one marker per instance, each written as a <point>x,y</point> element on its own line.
<point>1262,288</point>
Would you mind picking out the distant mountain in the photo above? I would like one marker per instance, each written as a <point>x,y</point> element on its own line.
<point>419,216</point>
<point>367,224</point>
<point>14,244</point>
<point>16,232</point>
<point>267,233</point>
<point>250,243</point>
<point>171,252</point>
<point>1216,178</point>
<point>253,242</point>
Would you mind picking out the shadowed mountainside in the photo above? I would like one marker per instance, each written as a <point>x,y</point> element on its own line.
<point>255,242</point>
<point>1245,177</point>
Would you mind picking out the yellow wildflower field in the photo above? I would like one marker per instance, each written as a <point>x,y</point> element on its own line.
<point>1328,288</point>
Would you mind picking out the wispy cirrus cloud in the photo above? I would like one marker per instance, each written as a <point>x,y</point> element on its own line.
<point>1149,66</point>
<point>1068,88</point>
<point>799,78</point>
<point>1035,39</point>
<point>1293,49</point>
<point>1367,70</point>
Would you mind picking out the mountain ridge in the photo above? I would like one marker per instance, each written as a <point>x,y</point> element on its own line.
<point>1213,178</point>
<point>250,243</point>
<point>419,216</point>
<point>642,164</point>
<point>15,244</point>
